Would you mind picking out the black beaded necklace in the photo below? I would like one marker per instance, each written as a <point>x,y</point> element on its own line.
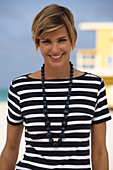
<point>65,111</point>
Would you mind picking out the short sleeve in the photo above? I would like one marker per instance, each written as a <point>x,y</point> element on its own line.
<point>101,113</point>
<point>14,111</point>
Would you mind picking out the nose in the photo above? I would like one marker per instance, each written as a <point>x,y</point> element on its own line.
<point>55,48</point>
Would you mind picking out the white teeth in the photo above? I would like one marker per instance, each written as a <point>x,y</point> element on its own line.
<point>56,56</point>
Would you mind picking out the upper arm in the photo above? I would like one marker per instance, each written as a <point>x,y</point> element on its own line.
<point>9,154</point>
<point>14,134</point>
<point>98,137</point>
<point>14,118</point>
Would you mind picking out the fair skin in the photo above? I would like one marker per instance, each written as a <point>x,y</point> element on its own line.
<point>10,152</point>
<point>99,151</point>
<point>57,44</point>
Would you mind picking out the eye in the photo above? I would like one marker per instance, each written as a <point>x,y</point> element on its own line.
<point>46,41</point>
<point>62,40</point>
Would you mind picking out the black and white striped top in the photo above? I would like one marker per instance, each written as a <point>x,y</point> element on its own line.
<point>88,106</point>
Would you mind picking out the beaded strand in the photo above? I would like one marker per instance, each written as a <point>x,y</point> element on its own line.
<point>65,111</point>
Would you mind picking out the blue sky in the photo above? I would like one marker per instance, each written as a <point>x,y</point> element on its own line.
<point>17,51</point>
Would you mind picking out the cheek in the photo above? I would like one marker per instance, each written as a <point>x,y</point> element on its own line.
<point>68,48</point>
<point>43,50</point>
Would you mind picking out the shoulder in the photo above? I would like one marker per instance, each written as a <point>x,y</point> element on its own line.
<point>94,79</point>
<point>25,80</point>
<point>87,76</point>
<point>26,77</point>
<point>19,79</point>
<point>90,80</point>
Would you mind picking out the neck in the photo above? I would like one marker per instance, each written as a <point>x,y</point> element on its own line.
<point>52,72</point>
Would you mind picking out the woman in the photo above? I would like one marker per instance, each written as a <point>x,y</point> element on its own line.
<point>58,105</point>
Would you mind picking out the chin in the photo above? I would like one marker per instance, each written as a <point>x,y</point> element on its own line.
<point>57,64</point>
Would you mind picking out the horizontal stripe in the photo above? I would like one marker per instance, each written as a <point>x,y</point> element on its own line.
<point>57,123</point>
<point>101,90</point>
<point>91,75</point>
<point>101,99</point>
<point>64,139</point>
<point>58,115</point>
<point>59,98</point>
<point>101,117</point>
<point>57,90</point>
<point>86,82</point>
<point>101,108</point>
<point>18,168</point>
<point>26,83</point>
<point>58,107</point>
<point>20,78</point>
<point>14,121</point>
<point>60,148</point>
<point>58,157</point>
<point>56,82</point>
<point>56,166</point>
<point>57,132</point>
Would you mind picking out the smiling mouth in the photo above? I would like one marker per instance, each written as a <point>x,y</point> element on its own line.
<point>55,57</point>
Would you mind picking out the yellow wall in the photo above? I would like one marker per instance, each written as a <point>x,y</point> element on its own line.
<point>103,63</point>
<point>104,45</point>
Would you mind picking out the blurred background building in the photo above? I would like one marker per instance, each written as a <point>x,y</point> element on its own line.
<point>99,60</point>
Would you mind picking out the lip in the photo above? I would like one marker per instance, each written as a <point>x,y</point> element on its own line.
<point>56,59</point>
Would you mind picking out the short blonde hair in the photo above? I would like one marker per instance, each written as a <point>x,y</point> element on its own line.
<point>50,19</point>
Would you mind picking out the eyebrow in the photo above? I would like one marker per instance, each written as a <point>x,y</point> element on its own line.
<point>62,37</point>
<point>47,39</point>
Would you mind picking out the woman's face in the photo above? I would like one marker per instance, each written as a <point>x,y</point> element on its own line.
<point>56,47</point>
